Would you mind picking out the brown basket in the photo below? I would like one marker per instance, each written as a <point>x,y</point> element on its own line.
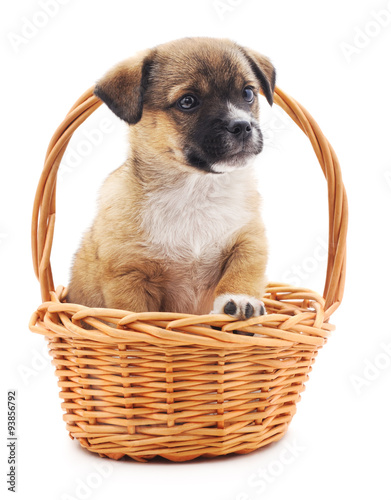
<point>167,384</point>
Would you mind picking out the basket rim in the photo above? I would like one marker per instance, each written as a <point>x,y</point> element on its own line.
<point>291,326</point>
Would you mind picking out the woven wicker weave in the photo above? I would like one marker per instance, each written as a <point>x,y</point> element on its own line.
<point>147,384</point>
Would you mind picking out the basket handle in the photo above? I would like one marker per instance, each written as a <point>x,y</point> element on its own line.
<point>44,209</point>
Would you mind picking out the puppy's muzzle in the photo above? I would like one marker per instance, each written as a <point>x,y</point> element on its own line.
<point>230,140</point>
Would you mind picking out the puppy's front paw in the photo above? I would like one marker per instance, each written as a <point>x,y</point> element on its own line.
<point>241,307</point>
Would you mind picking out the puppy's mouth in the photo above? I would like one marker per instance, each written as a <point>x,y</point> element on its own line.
<point>238,161</point>
<point>218,156</point>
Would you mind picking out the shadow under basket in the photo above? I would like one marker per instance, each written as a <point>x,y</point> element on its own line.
<point>167,384</point>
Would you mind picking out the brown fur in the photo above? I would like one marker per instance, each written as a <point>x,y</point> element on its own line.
<point>116,266</point>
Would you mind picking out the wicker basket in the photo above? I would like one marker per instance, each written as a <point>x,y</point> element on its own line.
<point>147,384</point>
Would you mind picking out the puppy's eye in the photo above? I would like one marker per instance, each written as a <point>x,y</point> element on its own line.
<point>248,94</point>
<point>187,102</point>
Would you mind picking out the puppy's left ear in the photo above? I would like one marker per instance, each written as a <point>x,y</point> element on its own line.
<point>264,71</point>
<point>122,88</point>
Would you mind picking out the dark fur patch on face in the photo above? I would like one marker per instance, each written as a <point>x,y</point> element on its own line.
<point>196,161</point>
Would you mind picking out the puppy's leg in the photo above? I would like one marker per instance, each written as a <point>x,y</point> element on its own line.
<point>135,290</point>
<point>243,280</point>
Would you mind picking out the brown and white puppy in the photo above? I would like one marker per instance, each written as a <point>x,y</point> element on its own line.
<point>178,226</point>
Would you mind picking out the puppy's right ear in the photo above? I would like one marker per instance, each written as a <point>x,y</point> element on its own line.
<point>123,87</point>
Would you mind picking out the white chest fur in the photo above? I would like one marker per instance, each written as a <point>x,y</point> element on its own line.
<point>197,214</point>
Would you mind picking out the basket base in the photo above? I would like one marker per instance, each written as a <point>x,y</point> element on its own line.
<point>182,455</point>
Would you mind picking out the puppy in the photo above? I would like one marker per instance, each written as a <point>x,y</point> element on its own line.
<point>178,226</point>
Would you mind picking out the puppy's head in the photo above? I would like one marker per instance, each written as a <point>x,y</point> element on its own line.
<point>194,101</point>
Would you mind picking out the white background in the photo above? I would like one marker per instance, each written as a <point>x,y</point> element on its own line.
<point>334,58</point>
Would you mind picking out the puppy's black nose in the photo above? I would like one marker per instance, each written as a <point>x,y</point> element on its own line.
<point>239,128</point>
